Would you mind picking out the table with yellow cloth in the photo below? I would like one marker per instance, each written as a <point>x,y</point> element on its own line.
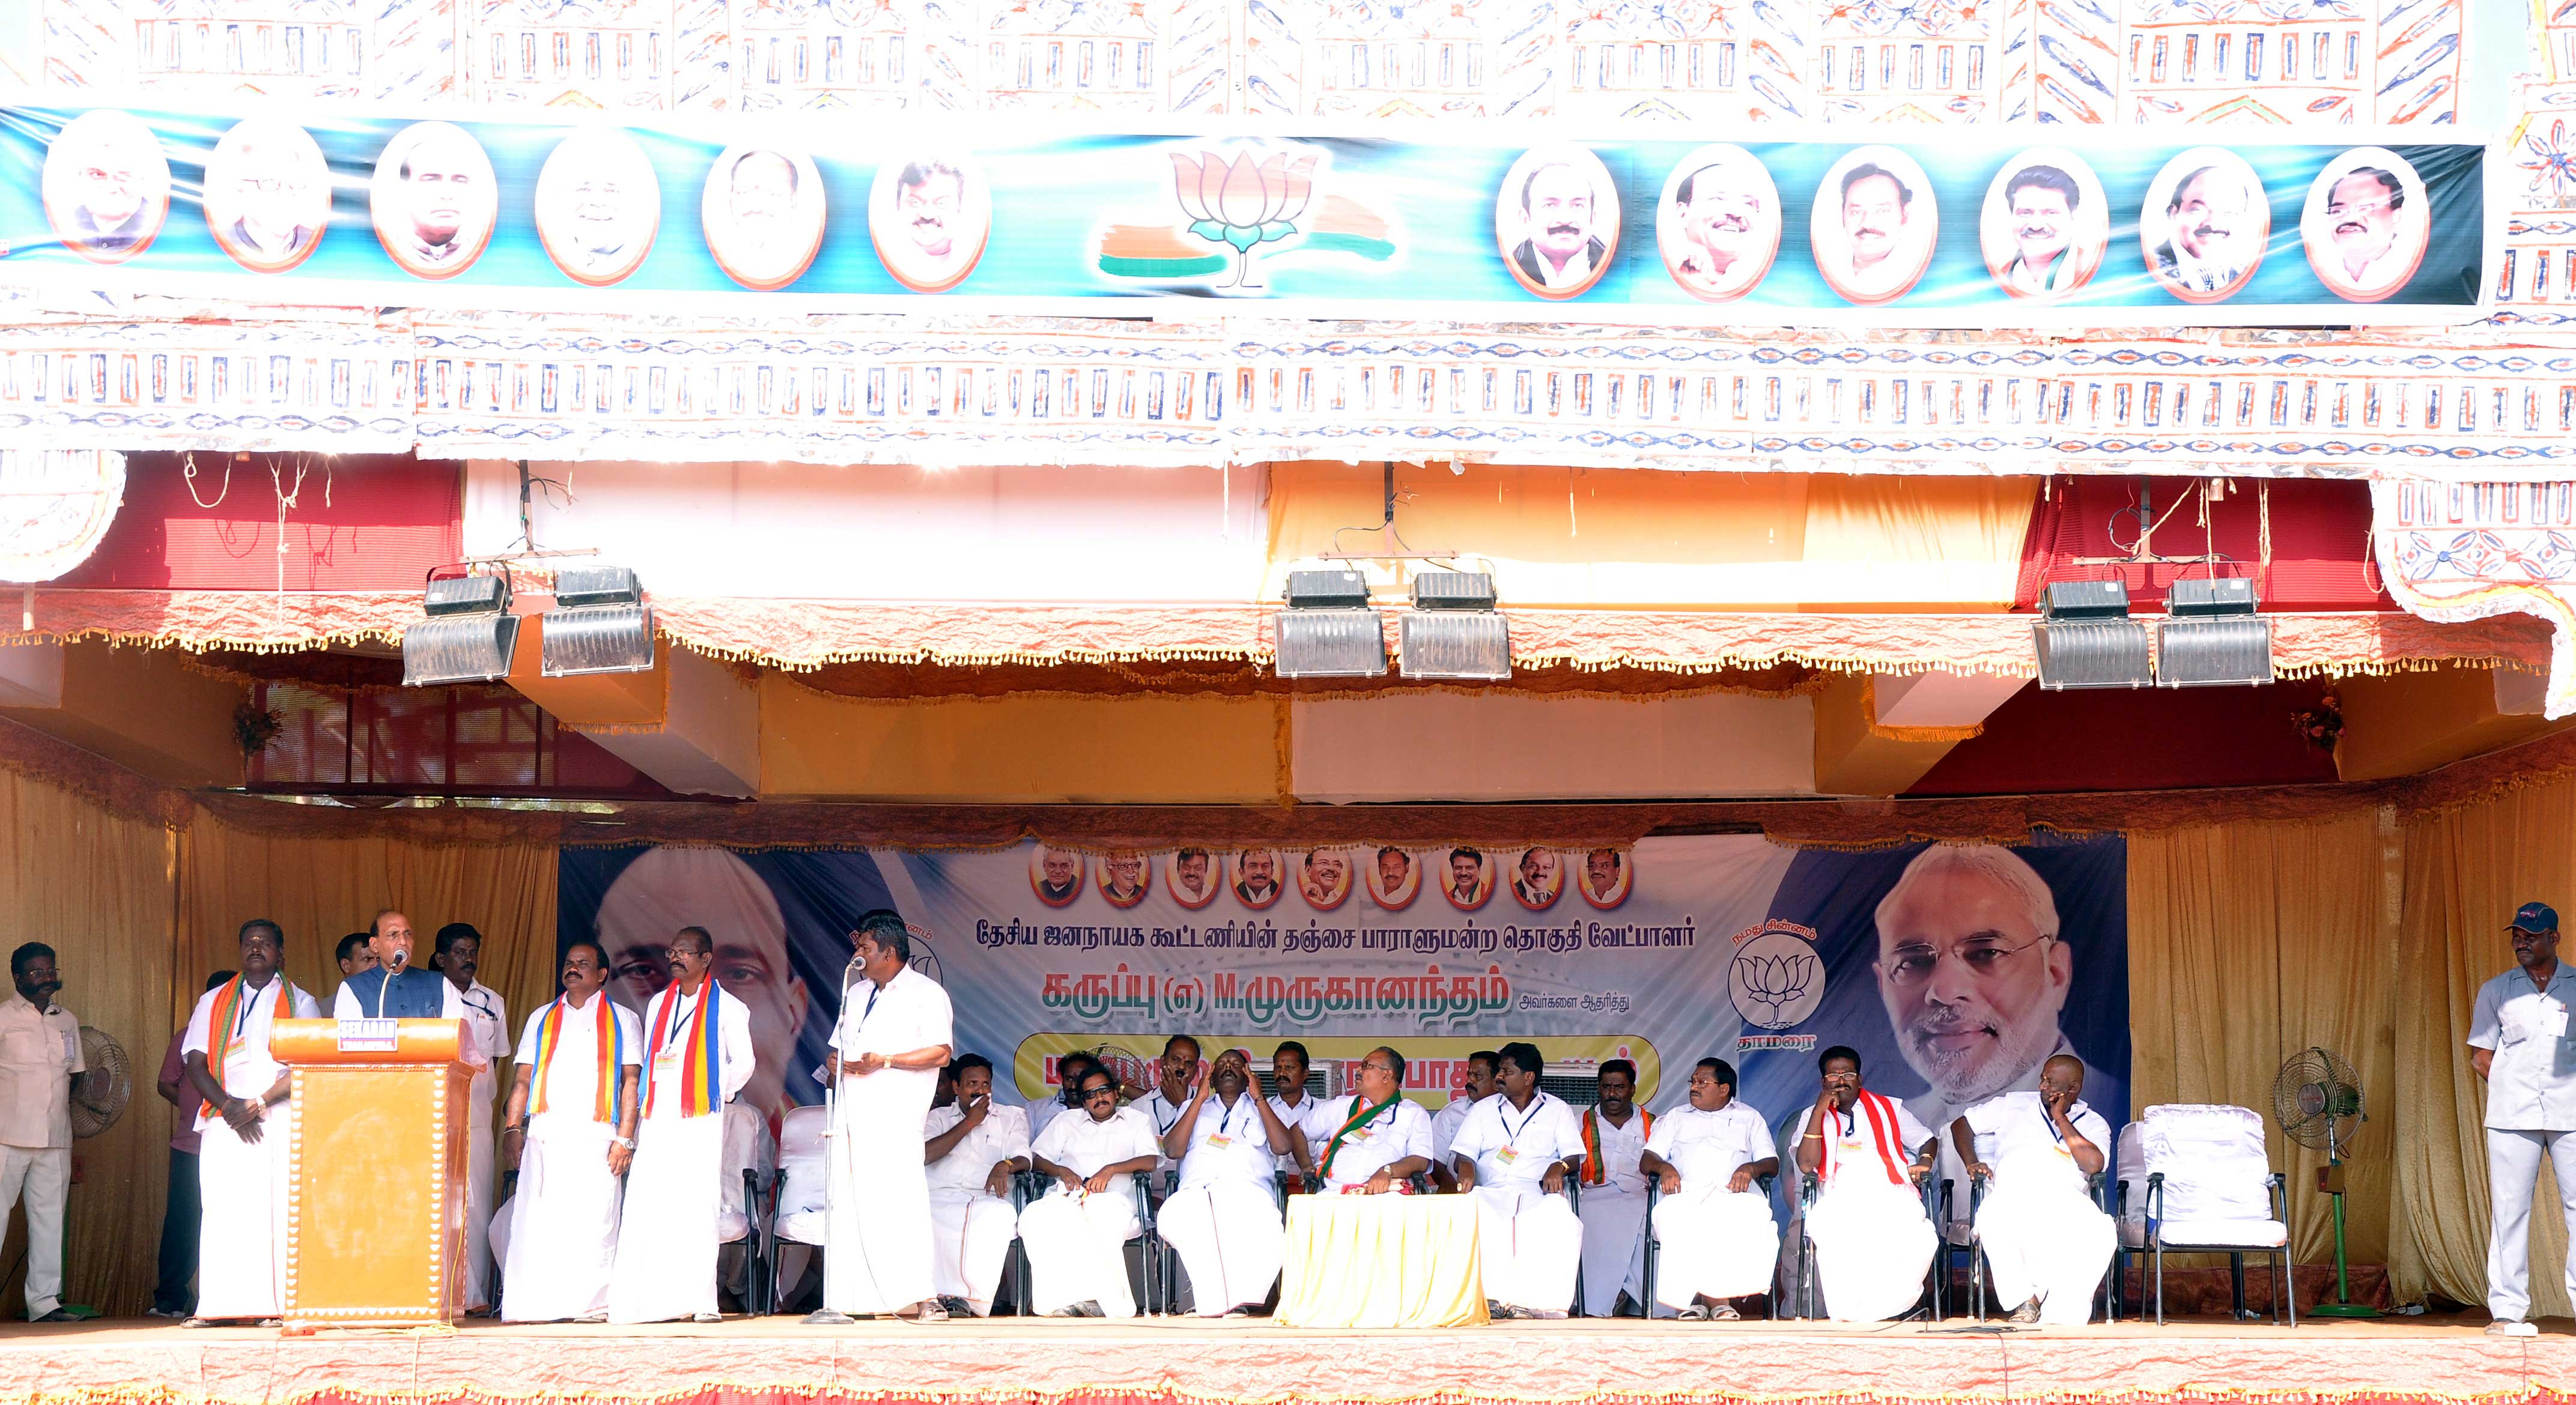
<point>1381,1261</point>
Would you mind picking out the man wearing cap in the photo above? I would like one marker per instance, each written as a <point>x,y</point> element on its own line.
<point>2519,1043</point>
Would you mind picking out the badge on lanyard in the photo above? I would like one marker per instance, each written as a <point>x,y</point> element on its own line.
<point>1220,1141</point>
<point>1507,1155</point>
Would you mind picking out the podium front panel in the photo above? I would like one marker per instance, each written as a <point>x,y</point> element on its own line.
<point>376,1198</point>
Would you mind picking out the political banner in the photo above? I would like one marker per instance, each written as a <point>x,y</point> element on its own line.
<point>1954,971</point>
<point>1768,228</point>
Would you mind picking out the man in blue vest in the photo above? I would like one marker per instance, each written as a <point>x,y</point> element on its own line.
<point>396,989</point>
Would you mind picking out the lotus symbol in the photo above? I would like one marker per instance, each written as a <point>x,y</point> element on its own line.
<point>1245,202</point>
<point>1772,982</point>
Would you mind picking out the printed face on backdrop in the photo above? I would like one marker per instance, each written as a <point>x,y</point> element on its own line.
<point>1393,878</point>
<point>929,217</point>
<point>1603,880</point>
<point>1971,970</point>
<point>666,889</point>
<point>1466,878</point>
<point>2204,224</point>
<point>1123,879</point>
<point>1191,877</point>
<point>2365,224</point>
<point>1538,879</point>
<point>1056,875</point>
<point>762,213</point>
<point>1256,877</point>
<point>106,186</point>
<point>268,194</point>
<point>1718,226</point>
<point>1556,220</point>
<point>1324,878</point>
<point>2045,224</point>
<point>1874,225</point>
<point>598,206</point>
<point>433,199</point>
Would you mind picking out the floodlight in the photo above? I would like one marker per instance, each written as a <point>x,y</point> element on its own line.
<point>1328,629</point>
<point>2085,638</point>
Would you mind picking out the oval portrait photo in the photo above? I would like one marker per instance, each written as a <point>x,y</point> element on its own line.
<point>2045,224</point>
<point>1123,878</point>
<point>2204,223</point>
<point>928,217</point>
<point>762,213</point>
<point>433,199</point>
<point>1873,225</point>
<point>1556,220</point>
<point>106,186</point>
<point>1605,876</point>
<point>1538,878</point>
<point>2366,223</point>
<point>1717,223</point>
<point>1466,878</point>
<point>1055,875</point>
<point>1394,876</point>
<point>1256,877</point>
<point>1190,876</point>
<point>268,194</point>
<point>598,206</point>
<point>1324,878</point>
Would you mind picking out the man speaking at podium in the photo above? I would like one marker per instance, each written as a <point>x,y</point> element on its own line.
<point>394,989</point>
<point>892,1041</point>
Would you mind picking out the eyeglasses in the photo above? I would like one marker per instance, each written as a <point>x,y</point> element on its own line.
<point>2364,208</point>
<point>1103,1091</point>
<point>675,949</point>
<point>1380,1067</point>
<point>1913,965</point>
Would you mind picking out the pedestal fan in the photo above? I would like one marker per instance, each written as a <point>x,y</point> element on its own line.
<point>2316,1097</point>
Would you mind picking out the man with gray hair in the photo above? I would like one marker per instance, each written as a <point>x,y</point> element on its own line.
<point>1973,972</point>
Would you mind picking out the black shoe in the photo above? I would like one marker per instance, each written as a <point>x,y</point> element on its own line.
<point>57,1315</point>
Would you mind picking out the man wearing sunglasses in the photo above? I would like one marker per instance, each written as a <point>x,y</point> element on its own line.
<point>1076,1235</point>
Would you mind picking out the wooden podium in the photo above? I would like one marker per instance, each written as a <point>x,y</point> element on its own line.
<point>375,1231</point>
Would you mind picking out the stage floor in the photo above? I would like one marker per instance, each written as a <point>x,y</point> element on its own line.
<point>1011,1361</point>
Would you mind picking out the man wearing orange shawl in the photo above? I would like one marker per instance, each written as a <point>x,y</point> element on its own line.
<point>570,1133</point>
<point>697,1056</point>
<point>248,1122</point>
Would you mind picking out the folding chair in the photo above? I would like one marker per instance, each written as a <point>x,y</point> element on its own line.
<point>2195,1139</point>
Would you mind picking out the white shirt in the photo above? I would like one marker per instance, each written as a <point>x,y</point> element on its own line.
<point>1444,1127</point>
<point>1081,1144</point>
<point>1515,1145</point>
<point>663,1068</point>
<point>249,1072</point>
<point>571,1088</point>
<point>1299,1120</point>
<point>1622,1148</point>
<point>907,1013</point>
<point>2531,1086</point>
<point>1853,1152</point>
<point>2028,1153</point>
<point>488,1017</point>
<point>1709,1147</point>
<point>40,1050</point>
<point>1401,1131</point>
<point>1228,1142</point>
<point>1001,1136</point>
<point>1163,1113</point>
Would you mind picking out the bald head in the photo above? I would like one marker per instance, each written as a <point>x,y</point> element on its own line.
<point>2062,1077</point>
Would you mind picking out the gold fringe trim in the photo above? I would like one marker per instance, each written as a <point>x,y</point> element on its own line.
<point>1869,709</point>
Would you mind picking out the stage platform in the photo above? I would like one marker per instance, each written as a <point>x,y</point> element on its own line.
<point>777,1361</point>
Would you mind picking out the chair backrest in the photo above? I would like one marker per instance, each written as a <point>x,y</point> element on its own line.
<point>2213,1160</point>
<point>801,1159</point>
<point>746,1148</point>
<point>2129,1164</point>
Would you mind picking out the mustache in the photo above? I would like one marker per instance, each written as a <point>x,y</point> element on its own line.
<point>928,222</point>
<point>1565,229</point>
<point>2207,231</point>
<point>1870,231</point>
<point>2351,227</point>
<point>2038,231</point>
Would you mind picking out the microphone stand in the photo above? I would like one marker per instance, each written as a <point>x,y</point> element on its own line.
<point>828,1315</point>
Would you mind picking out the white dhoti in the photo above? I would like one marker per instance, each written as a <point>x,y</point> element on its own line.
<point>1077,1248</point>
<point>562,1235</point>
<point>476,1281</point>
<point>2051,1244</point>
<point>41,1178</point>
<point>1230,1238</point>
<point>241,1239</point>
<point>1531,1244</point>
<point>1714,1242</point>
<point>1873,1246</point>
<point>876,1254</point>
<point>1614,1248</point>
<point>970,1237</point>
<point>666,1231</point>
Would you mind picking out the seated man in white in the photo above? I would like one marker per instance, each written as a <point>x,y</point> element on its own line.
<point>2046,1242</point>
<point>1614,1193</point>
<point>973,1146</point>
<point>1076,1235</point>
<point>1514,1152</point>
<point>1373,1141</point>
<point>1223,1217</point>
<point>1868,1155</point>
<point>1715,1225</point>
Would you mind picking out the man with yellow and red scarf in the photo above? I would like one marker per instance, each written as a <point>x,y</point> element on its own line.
<point>1614,1192</point>
<point>697,1056</point>
<point>569,1131</point>
<point>247,1119</point>
<point>1868,1155</point>
<point>1375,1140</point>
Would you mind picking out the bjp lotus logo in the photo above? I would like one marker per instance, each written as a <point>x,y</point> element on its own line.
<point>1776,978</point>
<point>1246,202</point>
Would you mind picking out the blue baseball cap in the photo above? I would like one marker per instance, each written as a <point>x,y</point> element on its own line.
<point>2536,918</point>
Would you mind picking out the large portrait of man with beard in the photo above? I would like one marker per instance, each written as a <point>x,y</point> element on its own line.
<point>1974,970</point>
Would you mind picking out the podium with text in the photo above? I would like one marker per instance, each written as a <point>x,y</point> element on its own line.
<point>375,1232</point>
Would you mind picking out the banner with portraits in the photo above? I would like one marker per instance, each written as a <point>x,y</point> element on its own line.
<point>1955,971</point>
<point>1984,229</point>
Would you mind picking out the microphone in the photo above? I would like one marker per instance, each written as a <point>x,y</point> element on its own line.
<point>397,961</point>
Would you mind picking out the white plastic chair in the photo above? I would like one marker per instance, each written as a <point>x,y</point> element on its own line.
<point>799,1208</point>
<point>2195,1179</point>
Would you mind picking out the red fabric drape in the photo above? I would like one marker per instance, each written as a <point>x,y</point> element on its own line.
<point>2320,540</point>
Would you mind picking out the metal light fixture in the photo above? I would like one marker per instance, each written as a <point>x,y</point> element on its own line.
<point>468,636</point>
<point>600,624</point>
<point>1453,630</point>
<point>2214,636</point>
<point>1328,629</point>
<point>2085,638</point>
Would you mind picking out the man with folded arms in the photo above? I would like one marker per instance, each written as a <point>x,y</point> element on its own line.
<point>1076,1235</point>
<point>1375,1140</point>
<point>1223,1217</point>
<point>973,1146</point>
<point>247,1120</point>
<point>2046,1241</point>
<point>1514,1153</point>
<point>1719,1240</point>
<point>569,1130</point>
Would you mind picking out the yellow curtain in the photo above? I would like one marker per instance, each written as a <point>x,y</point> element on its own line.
<point>2249,943</point>
<point>2466,872</point>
